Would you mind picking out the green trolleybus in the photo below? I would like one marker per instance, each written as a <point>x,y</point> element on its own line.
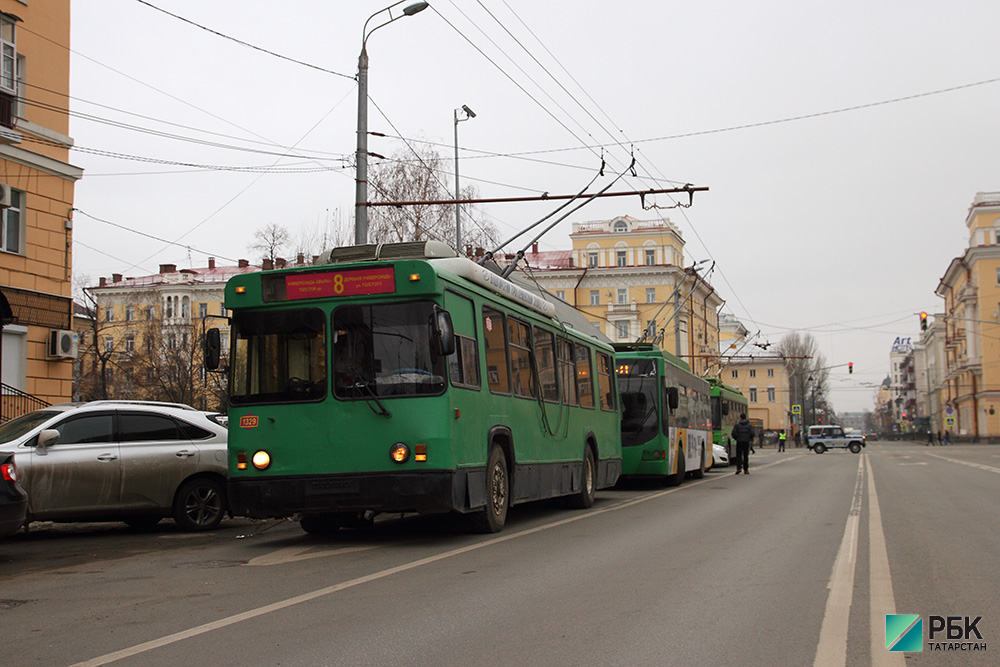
<point>666,430</point>
<point>727,404</point>
<point>404,378</point>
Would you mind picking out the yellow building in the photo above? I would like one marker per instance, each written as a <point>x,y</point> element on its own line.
<point>971,291</point>
<point>628,277</point>
<point>36,200</point>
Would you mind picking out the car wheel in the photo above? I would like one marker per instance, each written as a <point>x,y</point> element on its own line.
<point>199,505</point>
<point>493,516</point>
<point>588,484</point>
<point>855,448</point>
<point>819,448</point>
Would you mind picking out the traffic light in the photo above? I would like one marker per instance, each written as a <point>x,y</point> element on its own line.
<point>923,321</point>
<point>850,367</point>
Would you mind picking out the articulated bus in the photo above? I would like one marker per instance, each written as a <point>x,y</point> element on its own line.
<point>666,430</point>
<point>404,378</point>
<point>727,405</point>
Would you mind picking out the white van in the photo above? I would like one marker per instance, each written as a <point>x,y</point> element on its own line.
<point>822,438</point>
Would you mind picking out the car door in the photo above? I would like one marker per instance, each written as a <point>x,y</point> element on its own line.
<point>156,458</point>
<point>80,474</point>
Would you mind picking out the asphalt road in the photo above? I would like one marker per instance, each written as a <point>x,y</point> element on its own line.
<point>792,565</point>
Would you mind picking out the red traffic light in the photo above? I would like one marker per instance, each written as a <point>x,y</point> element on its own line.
<point>850,367</point>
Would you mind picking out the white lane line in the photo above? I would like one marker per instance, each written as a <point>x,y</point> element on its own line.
<point>832,648</point>
<point>881,598</point>
<point>295,554</point>
<point>321,592</point>
<point>966,463</point>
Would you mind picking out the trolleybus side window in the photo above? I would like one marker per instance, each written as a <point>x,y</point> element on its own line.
<point>464,364</point>
<point>605,382</point>
<point>279,357</point>
<point>567,372</point>
<point>386,350</point>
<point>519,335</point>
<point>545,355</point>
<point>495,337</point>
<point>584,376</point>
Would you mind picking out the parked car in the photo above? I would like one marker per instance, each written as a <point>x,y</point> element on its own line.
<point>130,461</point>
<point>831,436</point>
<point>13,499</point>
<point>720,456</point>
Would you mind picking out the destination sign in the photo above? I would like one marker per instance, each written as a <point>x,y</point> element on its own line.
<point>380,280</point>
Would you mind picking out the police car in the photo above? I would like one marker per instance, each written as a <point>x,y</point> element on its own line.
<point>831,436</point>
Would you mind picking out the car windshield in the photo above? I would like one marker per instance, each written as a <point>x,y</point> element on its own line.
<point>15,428</point>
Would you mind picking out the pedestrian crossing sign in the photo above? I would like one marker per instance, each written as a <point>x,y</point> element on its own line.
<point>949,422</point>
<point>796,409</point>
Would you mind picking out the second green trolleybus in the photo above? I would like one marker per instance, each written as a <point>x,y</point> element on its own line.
<point>404,378</point>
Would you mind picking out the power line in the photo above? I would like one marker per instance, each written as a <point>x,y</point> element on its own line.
<point>151,236</point>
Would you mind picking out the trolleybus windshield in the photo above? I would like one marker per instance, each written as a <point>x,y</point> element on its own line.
<point>637,386</point>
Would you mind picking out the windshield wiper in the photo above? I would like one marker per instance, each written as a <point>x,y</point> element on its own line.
<point>358,382</point>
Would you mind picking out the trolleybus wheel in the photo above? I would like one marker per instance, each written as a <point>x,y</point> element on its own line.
<point>702,467</point>
<point>819,448</point>
<point>493,516</point>
<point>855,448</point>
<point>675,480</point>
<point>588,484</point>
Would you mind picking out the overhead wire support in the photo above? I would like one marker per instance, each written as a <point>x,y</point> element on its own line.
<point>544,197</point>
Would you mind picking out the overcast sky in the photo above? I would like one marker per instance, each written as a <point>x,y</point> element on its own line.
<point>842,142</point>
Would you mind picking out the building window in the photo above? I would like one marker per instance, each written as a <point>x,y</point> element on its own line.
<point>222,309</point>
<point>753,372</point>
<point>736,374</point>
<point>770,394</point>
<point>150,313</point>
<point>202,310</point>
<point>129,343</point>
<point>622,330</point>
<point>21,93</point>
<point>109,344</point>
<point>770,372</point>
<point>753,394</point>
<point>595,297</point>
<point>650,257</point>
<point>650,295</point>
<point>621,258</point>
<point>129,313</point>
<point>109,314</point>
<point>592,259</point>
<point>12,227</point>
<point>622,295</point>
<point>561,293</point>
<point>620,227</point>
<point>185,308</point>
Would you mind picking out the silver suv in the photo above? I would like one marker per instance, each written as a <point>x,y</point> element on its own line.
<point>822,438</point>
<point>136,462</point>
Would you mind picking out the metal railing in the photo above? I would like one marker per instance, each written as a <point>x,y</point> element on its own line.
<point>14,403</point>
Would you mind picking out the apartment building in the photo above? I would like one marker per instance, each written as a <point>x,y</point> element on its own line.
<point>36,201</point>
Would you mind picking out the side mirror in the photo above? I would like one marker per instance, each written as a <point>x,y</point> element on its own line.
<point>444,332</point>
<point>213,349</point>
<point>49,436</point>
<point>673,398</point>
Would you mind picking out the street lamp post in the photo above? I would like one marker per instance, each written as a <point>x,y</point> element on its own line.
<point>361,185</point>
<point>469,113</point>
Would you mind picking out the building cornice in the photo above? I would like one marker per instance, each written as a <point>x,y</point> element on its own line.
<point>41,162</point>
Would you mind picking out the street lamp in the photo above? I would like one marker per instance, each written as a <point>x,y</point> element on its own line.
<point>469,113</point>
<point>361,185</point>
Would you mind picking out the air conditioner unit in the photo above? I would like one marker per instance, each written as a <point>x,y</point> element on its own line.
<point>4,195</point>
<point>63,344</point>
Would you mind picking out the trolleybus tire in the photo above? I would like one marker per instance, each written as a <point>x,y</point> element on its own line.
<point>702,468</point>
<point>493,516</point>
<point>855,448</point>
<point>676,479</point>
<point>584,499</point>
<point>819,448</point>
<point>200,504</point>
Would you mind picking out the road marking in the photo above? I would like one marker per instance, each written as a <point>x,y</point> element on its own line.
<point>832,647</point>
<point>916,463</point>
<point>881,599</point>
<point>295,554</point>
<point>328,590</point>
<point>966,463</point>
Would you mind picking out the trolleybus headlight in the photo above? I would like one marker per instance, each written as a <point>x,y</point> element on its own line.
<point>261,459</point>
<point>399,453</point>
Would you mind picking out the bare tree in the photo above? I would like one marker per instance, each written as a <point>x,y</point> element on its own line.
<point>330,232</point>
<point>808,375</point>
<point>270,241</point>
<point>421,177</point>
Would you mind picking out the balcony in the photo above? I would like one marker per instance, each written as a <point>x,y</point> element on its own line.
<point>619,308</point>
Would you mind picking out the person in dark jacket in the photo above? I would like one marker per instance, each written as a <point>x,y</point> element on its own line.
<point>743,435</point>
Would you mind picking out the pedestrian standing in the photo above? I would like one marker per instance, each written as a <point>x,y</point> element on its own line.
<point>743,434</point>
<point>781,440</point>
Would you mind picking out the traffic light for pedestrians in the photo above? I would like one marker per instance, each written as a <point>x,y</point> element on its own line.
<point>923,321</point>
<point>850,367</point>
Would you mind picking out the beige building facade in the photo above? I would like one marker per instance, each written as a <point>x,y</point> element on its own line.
<point>36,202</point>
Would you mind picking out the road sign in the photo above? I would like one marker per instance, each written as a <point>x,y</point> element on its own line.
<point>796,409</point>
<point>949,422</point>
<point>949,410</point>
